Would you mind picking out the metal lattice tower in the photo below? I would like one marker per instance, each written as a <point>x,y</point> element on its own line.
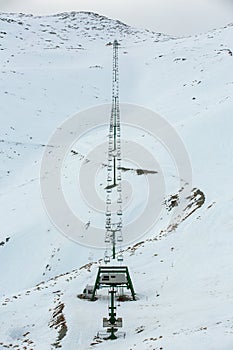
<point>115,278</point>
<point>113,224</point>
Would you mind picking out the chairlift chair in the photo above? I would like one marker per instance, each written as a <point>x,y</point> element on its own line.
<point>106,259</point>
<point>107,239</point>
<point>108,225</point>
<point>120,258</point>
<point>119,225</point>
<point>119,239</point>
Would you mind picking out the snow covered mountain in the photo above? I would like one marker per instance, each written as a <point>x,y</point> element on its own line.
<point>53,67</point>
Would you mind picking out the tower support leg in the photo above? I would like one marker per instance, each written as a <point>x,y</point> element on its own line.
<point>112,314</point>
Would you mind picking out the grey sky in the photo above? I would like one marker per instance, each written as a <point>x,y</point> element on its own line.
<point>176,17</point>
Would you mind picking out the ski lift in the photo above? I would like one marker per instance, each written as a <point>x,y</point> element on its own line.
<point>109,190</point>
<point>109,178</point>
<point>119,212</point>
<point>119,201</point>
<point>108,213</point>
<point>118,188</point>
<point>108,201</point>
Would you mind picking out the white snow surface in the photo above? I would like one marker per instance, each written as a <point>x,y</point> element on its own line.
<point>55,66</point>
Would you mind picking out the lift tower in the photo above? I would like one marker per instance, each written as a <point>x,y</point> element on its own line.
<point>113,225</point>
<point>113,277</point>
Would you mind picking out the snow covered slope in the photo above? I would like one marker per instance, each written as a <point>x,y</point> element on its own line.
<point>53,67</point>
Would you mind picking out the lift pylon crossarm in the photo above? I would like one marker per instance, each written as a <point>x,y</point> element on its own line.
<point>113,276</point>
